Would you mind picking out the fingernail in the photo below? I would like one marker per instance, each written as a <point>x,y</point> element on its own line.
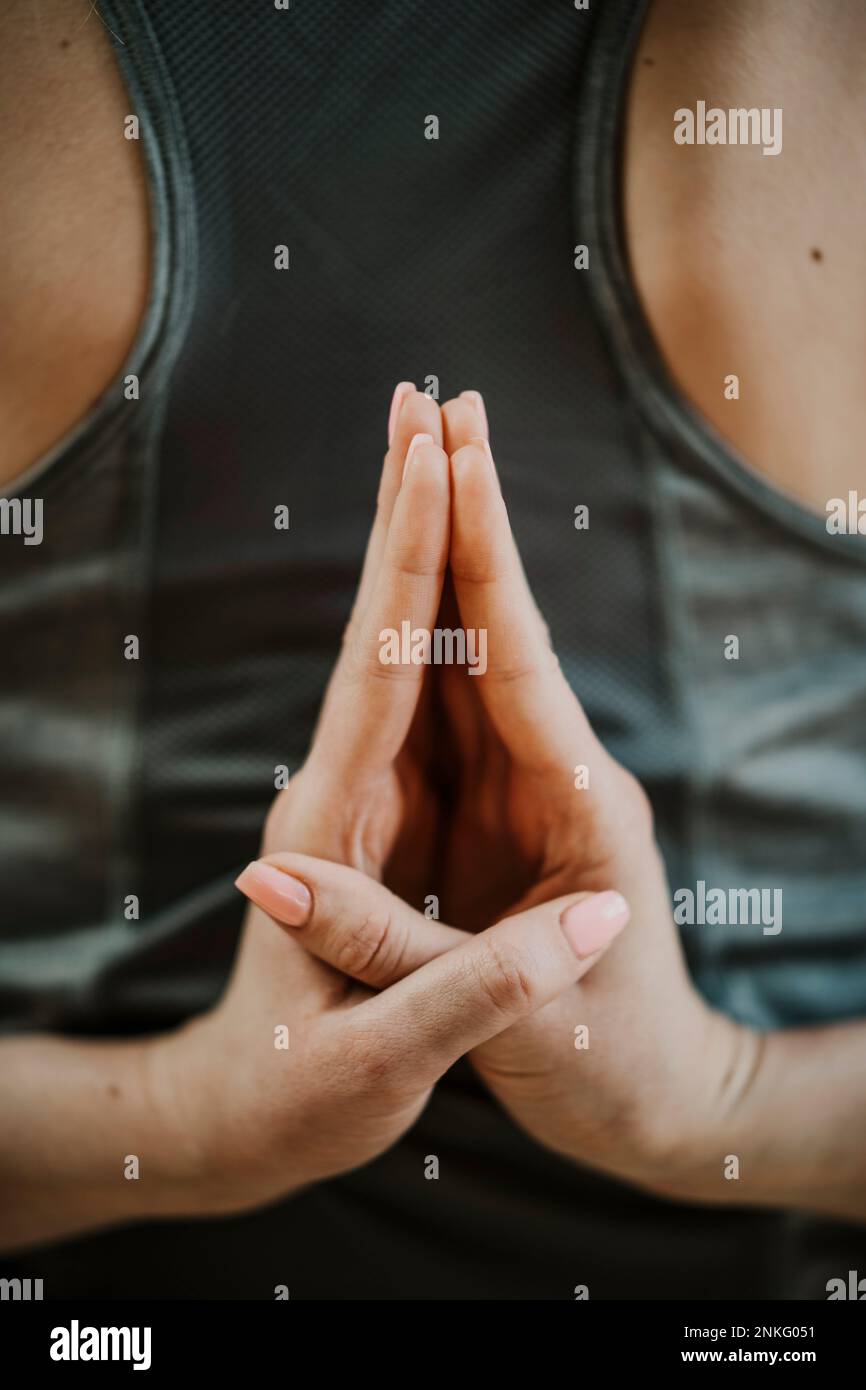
<point>478,401</point>
<point>484,445</point>
<point>413,445</point>
<point>592,924</point>
<point>401,391</point>
<point>278,893</point>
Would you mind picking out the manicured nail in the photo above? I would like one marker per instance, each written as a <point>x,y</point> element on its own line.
<point>476,398</point>
<point>413,445</point>
<point>401,391</point>
<point>592,924</point>
<point>284,897</point>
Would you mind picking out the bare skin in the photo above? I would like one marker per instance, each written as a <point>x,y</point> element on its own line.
<point>229,1138</point>
<point>745,264</point>
<point>228,1122</point>
<point>74,237</point>
<point>223,1118</point>
<point>661,1116</point>
<point>750,264</point>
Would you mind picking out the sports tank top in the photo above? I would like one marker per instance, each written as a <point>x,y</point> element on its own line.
<point>451,262</point>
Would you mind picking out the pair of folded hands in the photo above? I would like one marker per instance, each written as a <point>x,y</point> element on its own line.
<point>591,1037</point>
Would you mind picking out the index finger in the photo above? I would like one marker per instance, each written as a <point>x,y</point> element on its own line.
<point>524,691</point>
<point>468,995</point>
<point>412,412</point>
<point>374,691</point>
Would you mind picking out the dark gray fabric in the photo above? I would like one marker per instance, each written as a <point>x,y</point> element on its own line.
<point>408,258</point>
<point>773,746</point>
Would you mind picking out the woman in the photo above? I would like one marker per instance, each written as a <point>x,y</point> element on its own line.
<point>312,234</point>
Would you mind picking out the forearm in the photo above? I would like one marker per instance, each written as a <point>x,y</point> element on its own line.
<point>803,1122</point>
<point>795,1121</point>
<point>75,1114</point>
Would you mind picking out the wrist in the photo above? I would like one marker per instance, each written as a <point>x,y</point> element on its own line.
<point>699,1138</point>
<point>202,1171</point>
<point>224,1154</point>
<point>800,1126</point>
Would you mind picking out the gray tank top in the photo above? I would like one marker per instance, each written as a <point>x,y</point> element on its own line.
<point>149,779</point>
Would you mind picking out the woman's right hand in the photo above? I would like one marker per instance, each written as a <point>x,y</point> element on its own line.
<point>220,1113</point>
<point>363,785</point>
<point>300,1072</point>
<point>262,1115</point>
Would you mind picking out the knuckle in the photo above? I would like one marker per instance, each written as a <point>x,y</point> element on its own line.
<point>636,806</point>
<point>478,571</point>
<point>371,948</point>
<point>423,406</point>
<point>549,658</point>
<point>418,558</point>
<point>624,815</point>
<point>512,672</point>
<point>373,1064</point>
<point>504,978</point>
<point>376,1069</point>
<point>524,663</point>
<point>366,664</point>
<point>271,833</point>
<point>279,816</point>
<point>546,636</point>
<point>468,457</point>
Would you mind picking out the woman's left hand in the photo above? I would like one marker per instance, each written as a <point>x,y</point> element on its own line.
<point>645,1090</point>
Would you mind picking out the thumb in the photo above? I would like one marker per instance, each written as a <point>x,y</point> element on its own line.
<point>429,1019</point>
<point>346,918</point>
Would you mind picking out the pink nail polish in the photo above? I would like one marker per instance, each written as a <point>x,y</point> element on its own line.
<point>401,391</point>
<point>592,924</point>
<point>476,398</point>
<point>284,897</point>
<point>413,445</point>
